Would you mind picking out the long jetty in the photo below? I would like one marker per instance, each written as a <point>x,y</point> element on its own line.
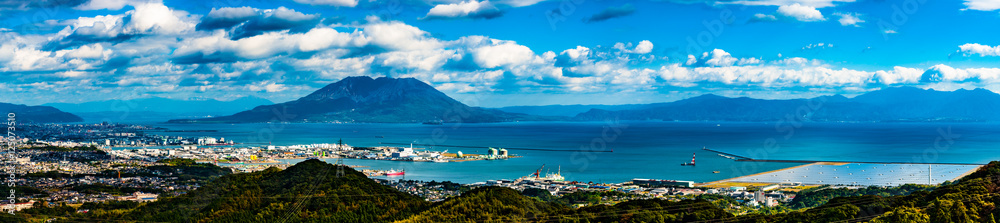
<point>748,159</point>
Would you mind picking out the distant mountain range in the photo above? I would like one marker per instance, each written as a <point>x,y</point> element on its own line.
<point>158,109</point>
<point>363,99</point>
<point>37,114</point>
<point>571,110</point>
<point>408,100</point>
<point>891,104</point>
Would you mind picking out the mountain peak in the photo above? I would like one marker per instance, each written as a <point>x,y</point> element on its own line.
<point>364,89</point>
<point>366,99</point>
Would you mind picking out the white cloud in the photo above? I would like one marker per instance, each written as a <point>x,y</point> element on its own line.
<point>982,50</point>
<point>271,44</point>
<point>817,46</point>
<point>764,17</point>
<point>428,60</point>
<point>691,60</point>
<point>849,19</point>
<point>289,15</point>
<point>345,3</point>
<point>111,4</point>
<point>721,58</point>
<point>233,13</point>
<point>766,75</point>
<point>400,36</point>
<point>157,18</point>
<point>898,75</point>
<point>471,8</point>
<point>801,12</point>
<point>104,26</point>
<point>267,86</point>
<point>580,53</point>
<point>945,73</point>
<point>28,59</point>
<point>91,51</point>
<point>502,53</point>
<point>643,47</point>
<point>810,3</point>
<point>982,5</point>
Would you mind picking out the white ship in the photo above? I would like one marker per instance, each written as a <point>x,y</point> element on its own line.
<point>536,176</point>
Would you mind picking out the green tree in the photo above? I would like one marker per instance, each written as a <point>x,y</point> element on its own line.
<point>903,214</point>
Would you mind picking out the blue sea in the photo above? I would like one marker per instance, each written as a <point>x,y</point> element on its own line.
<point>614,152</point>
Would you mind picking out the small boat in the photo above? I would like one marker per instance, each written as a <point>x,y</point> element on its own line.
<point>395,173</point>
<point>716,171</point>
<point>434,123</point>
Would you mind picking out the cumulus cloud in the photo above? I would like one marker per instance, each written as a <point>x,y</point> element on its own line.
<point>981,5</point>
<point>719,58</point>
<point>572,57</point>
<point>810,3</point>
<point>345,3</point>
<point>274,20</point>
<point>219,48</point>
<point>801,12</point>
<point>227,17</point>
<point>157,18</point>
<point>502,53</point>
<point>779,76</point>
<point>87,51</point>
<point>898,75</point>
<point>107,4</point>
<point>945,73</point>
<point>611,12</point>
<point>980,49</point>
<point>849,19</point>
<point>643,47</point>
<point>286,53</point>
<point>400,36</point>
<point>468,9</point>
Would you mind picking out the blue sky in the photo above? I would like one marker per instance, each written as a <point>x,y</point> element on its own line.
<point>494,53</point>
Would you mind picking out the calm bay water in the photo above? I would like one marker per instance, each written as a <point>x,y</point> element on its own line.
<point>640,149</point>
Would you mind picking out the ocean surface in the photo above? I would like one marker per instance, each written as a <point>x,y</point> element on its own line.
<point>613,152</point>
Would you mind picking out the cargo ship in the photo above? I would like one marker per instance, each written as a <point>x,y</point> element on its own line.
<point>536,176</point>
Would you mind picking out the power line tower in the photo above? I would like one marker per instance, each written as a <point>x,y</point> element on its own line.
<point>340,158</point>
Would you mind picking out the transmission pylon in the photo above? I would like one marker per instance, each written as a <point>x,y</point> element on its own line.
<point>340,158</point>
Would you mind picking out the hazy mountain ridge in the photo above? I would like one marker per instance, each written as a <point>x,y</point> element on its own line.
<point>363,99</point>
<point>571,110</point>
<point>164,105</point>
<point>37,114</point>
<point>891,104</point>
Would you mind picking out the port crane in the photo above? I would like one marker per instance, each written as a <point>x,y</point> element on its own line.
<point>538,173</point>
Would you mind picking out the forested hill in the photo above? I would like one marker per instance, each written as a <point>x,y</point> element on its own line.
<point>311,192</point>
<point>306,192</point>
